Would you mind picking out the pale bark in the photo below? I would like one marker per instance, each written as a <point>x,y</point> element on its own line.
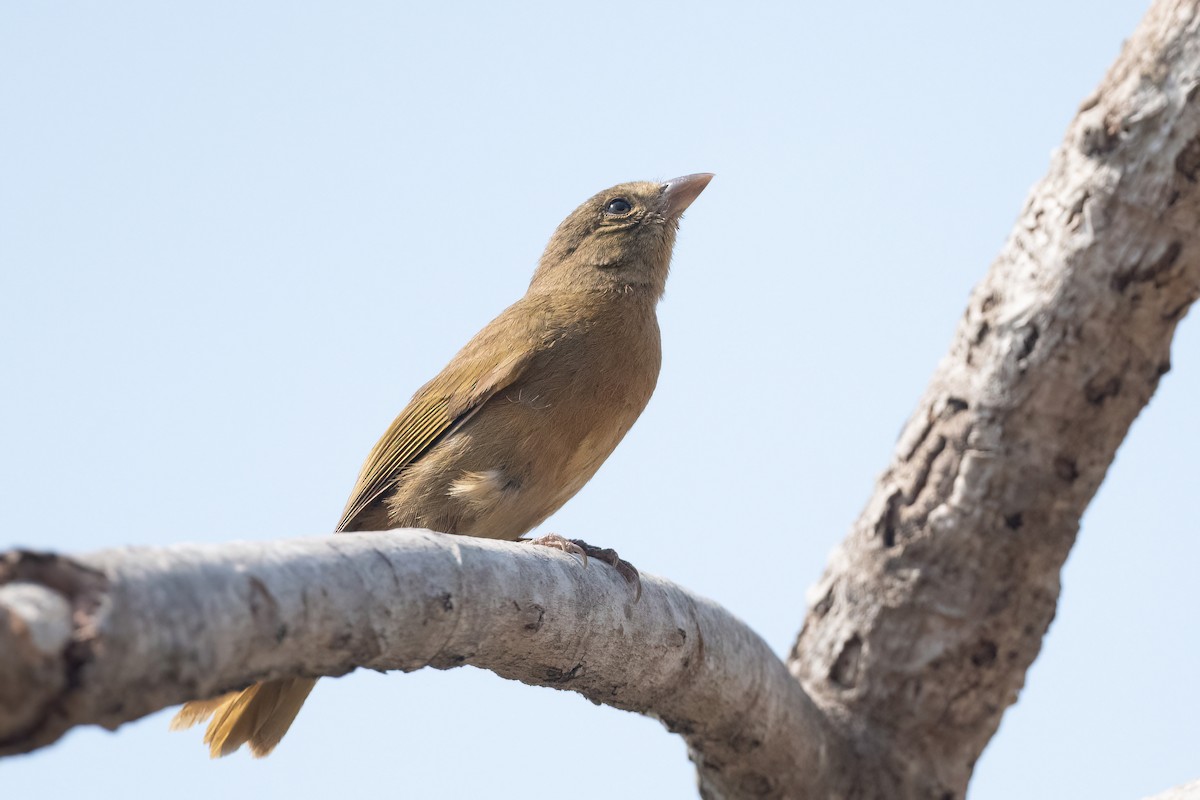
<point>919,634</point>
<point>1188,791</point>
<point>917,638</point>
<point>109,637</point>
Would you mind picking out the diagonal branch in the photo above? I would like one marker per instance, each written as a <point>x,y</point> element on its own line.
<point>110,637</point>
<point>919,635</point>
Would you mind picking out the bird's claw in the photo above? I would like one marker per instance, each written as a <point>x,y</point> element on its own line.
<point>609,556</point>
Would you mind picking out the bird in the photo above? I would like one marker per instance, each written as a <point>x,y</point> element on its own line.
<point>518,421</point>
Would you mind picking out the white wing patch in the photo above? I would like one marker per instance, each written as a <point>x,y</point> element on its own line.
<point>481,491</point>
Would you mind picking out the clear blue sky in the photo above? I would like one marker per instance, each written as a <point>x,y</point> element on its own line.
<point>235,237</point>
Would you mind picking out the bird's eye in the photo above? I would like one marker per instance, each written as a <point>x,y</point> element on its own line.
<point>618,206</point>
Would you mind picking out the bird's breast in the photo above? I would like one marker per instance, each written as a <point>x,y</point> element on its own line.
<point>537,442</point>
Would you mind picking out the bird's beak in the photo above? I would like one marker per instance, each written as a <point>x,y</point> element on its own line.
<point>678,193</point>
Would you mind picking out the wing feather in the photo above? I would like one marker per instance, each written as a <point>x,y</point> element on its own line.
<point>439,408</point>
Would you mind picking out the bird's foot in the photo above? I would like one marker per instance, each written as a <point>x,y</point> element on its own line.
<point>568,546</point>
<point>609,556</point>
<point>606,554</point>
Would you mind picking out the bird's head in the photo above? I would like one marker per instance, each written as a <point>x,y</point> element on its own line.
<point>620,239</point>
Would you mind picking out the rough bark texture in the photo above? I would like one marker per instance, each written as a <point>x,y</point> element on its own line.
<point>919,635</point>
<point>107,638</point>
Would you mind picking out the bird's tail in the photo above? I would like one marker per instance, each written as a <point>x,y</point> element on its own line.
<point>259,716</point>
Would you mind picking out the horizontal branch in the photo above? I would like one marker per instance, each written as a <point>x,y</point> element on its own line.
<point>109,637</point>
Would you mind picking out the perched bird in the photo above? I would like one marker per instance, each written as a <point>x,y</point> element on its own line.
<point>520,418</point>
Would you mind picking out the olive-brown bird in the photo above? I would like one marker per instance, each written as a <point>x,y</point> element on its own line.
<point>520,418</point>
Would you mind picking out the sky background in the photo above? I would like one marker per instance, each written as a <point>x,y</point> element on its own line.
<point>235,238</point>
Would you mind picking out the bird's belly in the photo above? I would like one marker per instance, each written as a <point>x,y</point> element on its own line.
<point>534,457</point>
<point>546,466</point>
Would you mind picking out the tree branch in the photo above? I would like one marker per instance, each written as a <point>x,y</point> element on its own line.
<point>1188,791</point>
<point>919,635</point>
<point>110,637</point>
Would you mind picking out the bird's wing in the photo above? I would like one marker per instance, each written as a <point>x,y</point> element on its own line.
<point>438,408</point>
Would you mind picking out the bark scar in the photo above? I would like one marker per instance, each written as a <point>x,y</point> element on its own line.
<point>84,589</point>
